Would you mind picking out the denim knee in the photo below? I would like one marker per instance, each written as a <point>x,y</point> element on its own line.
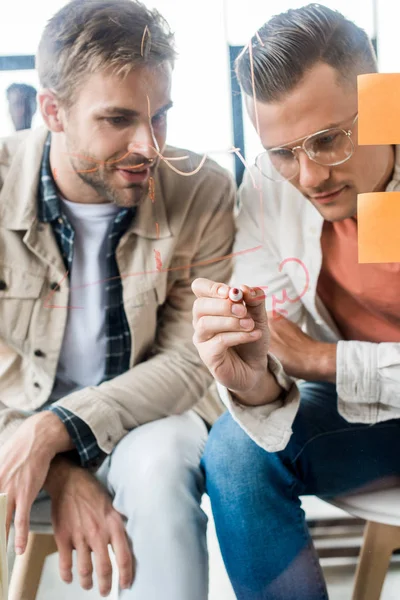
<point>232,459</point>
<point>229,453</point>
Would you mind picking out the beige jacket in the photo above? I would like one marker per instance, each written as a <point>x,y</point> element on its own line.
<point>166,376</point>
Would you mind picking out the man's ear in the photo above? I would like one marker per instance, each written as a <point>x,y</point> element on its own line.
<point>51,110</point>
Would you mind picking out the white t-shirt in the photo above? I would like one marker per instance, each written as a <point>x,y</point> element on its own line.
<point>83,351</point>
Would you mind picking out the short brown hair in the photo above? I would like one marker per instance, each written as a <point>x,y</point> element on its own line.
<point>87,36</point>
<point>291,43</point>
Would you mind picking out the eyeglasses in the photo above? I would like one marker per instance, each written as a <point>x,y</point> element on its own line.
<point>329,147</point>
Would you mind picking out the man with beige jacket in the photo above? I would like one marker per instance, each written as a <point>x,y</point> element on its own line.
<point>102,230</point>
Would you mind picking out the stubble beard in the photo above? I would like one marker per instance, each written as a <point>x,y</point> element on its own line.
<point>130,196</point>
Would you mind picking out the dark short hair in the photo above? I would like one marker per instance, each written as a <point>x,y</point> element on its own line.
<point>87,36</point>
<point>291,43</point>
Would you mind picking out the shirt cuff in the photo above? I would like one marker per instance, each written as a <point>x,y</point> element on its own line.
<point>357,381</point>
<point>269,425</point>
<point>90,455</point>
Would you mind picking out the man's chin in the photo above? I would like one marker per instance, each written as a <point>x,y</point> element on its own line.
<point>126,196</point>
<point>336,212</point>
<point>131,198</point>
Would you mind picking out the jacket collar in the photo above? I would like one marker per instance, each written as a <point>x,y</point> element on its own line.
<point>19,194</point>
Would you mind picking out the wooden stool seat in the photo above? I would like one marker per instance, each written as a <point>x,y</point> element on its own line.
<point>381,510</point>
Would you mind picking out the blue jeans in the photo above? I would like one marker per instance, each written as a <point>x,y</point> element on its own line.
<point>262,531</point>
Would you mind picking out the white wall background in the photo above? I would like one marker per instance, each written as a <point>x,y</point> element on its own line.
<point>201,118</point>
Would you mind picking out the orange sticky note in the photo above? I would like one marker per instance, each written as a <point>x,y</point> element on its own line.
<point>379,108</point>
<point>378,217</point>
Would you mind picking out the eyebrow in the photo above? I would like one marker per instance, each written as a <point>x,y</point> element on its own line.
<point>330,126</point>
<point>128,112</point>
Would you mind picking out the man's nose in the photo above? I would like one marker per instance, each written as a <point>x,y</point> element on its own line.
<point>144,142</point>
<point>311,174</point>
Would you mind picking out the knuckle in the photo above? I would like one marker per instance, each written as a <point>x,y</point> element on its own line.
<point>62,539</point>
<point>93,533</point>
<point>234,324</point>
<point>20,521</point>
<point>196,305</point>
<point>116,517</point>
<point>78,540</point>
<point>85,571</point>
<point>201,327</point>
<point>125,562</point>
<point>105,571</point>
<point>219,340</point>
<point>214,288</point>
<point>20,540</point>
<point>116,522</point>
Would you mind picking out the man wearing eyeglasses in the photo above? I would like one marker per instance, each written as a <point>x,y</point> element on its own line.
<point>335,327</point>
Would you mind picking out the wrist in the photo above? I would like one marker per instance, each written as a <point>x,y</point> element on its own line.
<point>326,362</point>
<point>60,469</point>
<point>265,391</point>
<point>56,438</point>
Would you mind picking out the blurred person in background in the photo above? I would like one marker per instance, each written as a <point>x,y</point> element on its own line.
<point>22,105</point>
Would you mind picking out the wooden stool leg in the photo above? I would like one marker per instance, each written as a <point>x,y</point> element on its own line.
<point>28,568</point>
<point>379,542</point>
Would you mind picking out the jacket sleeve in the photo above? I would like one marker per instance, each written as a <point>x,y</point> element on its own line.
<point>368,381</point>
<point>10,418</point>
<point>87,450</point>
<point>269,426</point>
<point>173,379</point>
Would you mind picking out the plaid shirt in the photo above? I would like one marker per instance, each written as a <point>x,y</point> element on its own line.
<point>116,324</point>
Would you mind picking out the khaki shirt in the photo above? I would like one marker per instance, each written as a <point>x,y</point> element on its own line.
<point>195,230</point>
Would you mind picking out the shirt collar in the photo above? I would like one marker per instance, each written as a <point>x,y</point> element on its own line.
<point>49,203</point>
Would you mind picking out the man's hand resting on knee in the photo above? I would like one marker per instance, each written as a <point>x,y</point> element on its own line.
<point>232,339</point>
<point>84,519</point>
<point>24,464</point>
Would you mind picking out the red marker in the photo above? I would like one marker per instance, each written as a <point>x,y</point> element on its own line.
<point>235,295</point>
